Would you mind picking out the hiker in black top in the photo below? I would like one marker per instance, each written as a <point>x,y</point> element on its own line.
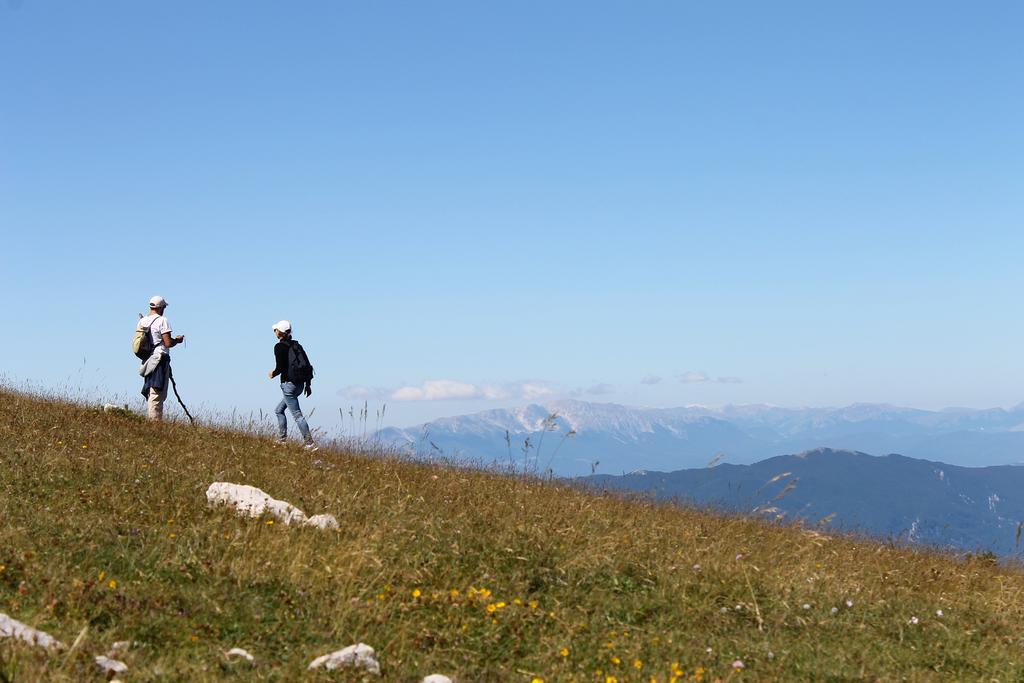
<point>281,369</point>
<point>292,365</point>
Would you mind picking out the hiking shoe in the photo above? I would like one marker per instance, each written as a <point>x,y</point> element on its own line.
<point>311,447</point>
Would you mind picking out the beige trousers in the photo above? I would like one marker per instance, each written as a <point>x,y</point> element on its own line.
<point>155,404</point>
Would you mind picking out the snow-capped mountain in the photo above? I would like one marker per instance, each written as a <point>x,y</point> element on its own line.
<point>916,501</point>
<point>571,436</point>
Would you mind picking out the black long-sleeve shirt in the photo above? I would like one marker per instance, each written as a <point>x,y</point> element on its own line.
<point>281,359</point>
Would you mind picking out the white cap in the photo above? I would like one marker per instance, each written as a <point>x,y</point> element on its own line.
<point>157,302</point>
<point>283,326</point>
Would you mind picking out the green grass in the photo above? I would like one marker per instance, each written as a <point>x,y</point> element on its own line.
<point>105,536</point>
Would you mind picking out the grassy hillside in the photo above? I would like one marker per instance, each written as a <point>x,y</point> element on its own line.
<point>105,536</point>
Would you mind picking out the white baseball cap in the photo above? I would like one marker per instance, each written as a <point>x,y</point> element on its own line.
<point>157,302</point>
<point>283,326</point>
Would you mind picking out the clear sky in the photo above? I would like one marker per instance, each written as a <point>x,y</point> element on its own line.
<point>656,203</point>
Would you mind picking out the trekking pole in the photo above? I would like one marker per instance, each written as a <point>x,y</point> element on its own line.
<point>174,385</point>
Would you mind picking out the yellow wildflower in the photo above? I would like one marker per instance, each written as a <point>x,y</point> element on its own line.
<point>616,660</point>
<point>101,576</point>
<point>112,584</point>
<point>536,679</point>
<point>454,592</point>
<point>637,664</point>
<point>416,592</point>
<point>533,604</point>
<point>564,652</point>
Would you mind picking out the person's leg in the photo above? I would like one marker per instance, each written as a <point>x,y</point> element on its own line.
<point>282,423</point>
<point>155,404</point>
<point>291,397</point>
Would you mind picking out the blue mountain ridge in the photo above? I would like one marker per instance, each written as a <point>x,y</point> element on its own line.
<point>895,497</point>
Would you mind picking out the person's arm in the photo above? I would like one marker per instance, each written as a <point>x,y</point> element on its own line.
<point>309,388</point>
<point>280,360</point>
<point>170,341</point>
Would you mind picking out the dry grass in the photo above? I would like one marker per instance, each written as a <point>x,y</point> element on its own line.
<point>104,534</point>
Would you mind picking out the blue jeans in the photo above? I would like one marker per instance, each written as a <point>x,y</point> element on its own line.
<point>291,402</point>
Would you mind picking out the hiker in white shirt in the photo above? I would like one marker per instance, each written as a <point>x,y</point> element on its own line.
<point>154,370</point>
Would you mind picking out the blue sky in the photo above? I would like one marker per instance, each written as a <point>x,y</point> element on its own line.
<point>819,203</point>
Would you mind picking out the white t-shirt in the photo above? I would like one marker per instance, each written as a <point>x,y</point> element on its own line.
<point>158,324</point>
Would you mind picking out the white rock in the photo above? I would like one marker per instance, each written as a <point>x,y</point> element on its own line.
<point>322,522</point>
<point>12,628</point>
<point>436,678</point>
<point>359,656</point>
<point>239,652</point>
<point>111,666</point>
<point>249,500</point>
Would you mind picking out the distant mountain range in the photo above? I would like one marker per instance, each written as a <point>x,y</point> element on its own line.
<point>918,501</point>
<point>571,436</point>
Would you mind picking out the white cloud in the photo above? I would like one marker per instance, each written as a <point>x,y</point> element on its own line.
<point>452,390</point>
<point>650,379</point>
<point>438,390</point>
<point>600,389</point>
<point>534,390</point>
<point>693,377</point>
<point>493,392</point>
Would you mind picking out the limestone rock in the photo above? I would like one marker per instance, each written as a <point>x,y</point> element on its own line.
<point>322,522</point>
<point>12,628</point>
<point>249,500</point>
<point>239,652</point>
<point>360,656</point>
<point>436,678</point>
<point>110,666</point>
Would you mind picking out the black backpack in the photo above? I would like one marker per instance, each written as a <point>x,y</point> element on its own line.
<point>300,370</point>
